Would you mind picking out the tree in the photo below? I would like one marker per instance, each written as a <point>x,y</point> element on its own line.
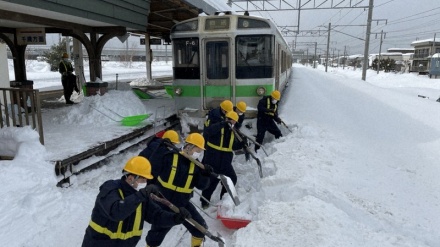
<point>53,56</point>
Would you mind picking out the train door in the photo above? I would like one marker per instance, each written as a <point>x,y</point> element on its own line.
<point>216,81</point>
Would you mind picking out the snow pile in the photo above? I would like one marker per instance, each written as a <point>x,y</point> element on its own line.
<point>30,201</point>
<point>107,109</point>
<point>17,141</point>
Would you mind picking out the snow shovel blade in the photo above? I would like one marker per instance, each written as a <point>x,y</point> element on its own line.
<point>246,147</point>
<point>260,169</point>
<point>134,120</point>
<point>230,188</point>
<point>219,239</point>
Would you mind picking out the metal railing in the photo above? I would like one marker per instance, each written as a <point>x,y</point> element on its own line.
<point>21,107</point>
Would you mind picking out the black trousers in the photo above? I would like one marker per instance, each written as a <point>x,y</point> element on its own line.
<point>157,233</point>
<point>263,125</point>
<point>69,83</point>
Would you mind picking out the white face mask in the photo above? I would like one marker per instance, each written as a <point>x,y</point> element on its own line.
<point>241,113</point>
<point>274,101</point>
<point>232,125</point>
<point>141,186</point>
<point>196,155</point>
<point>65,59</point>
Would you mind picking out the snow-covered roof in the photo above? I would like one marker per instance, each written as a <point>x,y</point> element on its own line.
<point>400,49</point>
<point>424,42</point>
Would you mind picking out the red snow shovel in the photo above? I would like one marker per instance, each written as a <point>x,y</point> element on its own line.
<point>231,223</point>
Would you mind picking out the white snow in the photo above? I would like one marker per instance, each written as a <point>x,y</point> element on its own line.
<point>360,168</point>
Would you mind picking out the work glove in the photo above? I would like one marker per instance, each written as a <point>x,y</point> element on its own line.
<point>180,217</point>
<point>277,120</point>
<point>151,188</point>
<point>207,171</point>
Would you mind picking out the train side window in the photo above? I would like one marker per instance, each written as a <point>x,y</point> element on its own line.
<point>186,58</point>
<point>254,56</point>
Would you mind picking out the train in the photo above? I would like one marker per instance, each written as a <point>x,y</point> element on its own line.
<point>227,56</point>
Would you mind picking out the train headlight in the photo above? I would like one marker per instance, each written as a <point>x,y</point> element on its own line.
<point>178,91</point>
<point>261,91</point>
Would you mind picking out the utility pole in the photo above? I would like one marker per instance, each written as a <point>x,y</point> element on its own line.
<point>380,50</point>
<point>333,56</point>
<point>314,58</point>
<point>338,59</point>
<point>328,45</point>
<point>367,40</point>
<point>299,16</point>
<point>307,56</point>
<point>345,49</point>
<point>433,46</point>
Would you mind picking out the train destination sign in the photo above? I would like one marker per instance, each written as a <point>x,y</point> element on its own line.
<point>217,24</point>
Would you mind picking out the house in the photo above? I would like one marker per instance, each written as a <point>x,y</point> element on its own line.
<point>423,50</point>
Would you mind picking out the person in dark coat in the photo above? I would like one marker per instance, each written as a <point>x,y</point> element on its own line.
<point>176,180</point>
<point>218,114</point>
<point>123,205</point>
<point>267,117</point>
<point>68,79</point>
<point>155,150</point>
<point>220,143</point>
<point>240,109</point>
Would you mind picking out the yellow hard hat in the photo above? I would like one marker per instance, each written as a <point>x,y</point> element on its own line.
<point>65,55</point>
<point>241,106</point>
<point>276,94</point>
<point>226,105</point>
<point>196,139</point>
<point>140,166</point>
<point>232,115</point>
<point>172,136</point>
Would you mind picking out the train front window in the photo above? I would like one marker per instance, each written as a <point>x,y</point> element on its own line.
<point>186,58</point>
<point>254,56</point>
<point>217,60</point>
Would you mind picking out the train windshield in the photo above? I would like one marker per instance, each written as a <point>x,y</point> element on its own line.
<point>254,56</point>
<point>186,58</point>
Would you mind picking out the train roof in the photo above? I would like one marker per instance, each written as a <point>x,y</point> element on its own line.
<point>247,22</point>
<point>191,25</point>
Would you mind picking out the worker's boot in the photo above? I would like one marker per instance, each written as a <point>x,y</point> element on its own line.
<point>196,242</point>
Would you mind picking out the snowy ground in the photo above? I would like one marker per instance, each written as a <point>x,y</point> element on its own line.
<point>360,169</point>
<point>44,79</point>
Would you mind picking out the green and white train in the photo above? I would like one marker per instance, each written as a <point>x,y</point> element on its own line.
<point>235,57</point>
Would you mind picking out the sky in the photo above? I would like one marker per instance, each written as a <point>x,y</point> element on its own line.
<point>402,21</point>
<point>359,167</point>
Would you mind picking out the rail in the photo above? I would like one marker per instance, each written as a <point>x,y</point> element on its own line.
<point>21,107</point>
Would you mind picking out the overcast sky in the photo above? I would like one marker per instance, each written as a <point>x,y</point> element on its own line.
<point>407,21</point>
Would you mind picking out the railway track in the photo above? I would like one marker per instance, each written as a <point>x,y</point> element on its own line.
<point>93,157</point>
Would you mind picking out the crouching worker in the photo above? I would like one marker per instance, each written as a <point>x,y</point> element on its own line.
<point>177,179</point>
<point>123,205</point>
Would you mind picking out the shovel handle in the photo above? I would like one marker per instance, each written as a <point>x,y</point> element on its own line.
<point>198,163</point>
<point>285,125</point>
<point>194,223</point>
